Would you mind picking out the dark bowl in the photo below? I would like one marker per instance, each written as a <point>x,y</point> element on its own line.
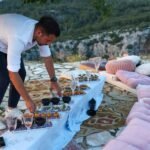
<point>66,99</point>
<point>19,124</point>
<point>45,101</point>
<point>91,112</point>
<point>55,100</point>
<point>40,121</point>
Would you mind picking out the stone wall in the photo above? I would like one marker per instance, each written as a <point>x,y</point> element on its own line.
<point>106,45</point>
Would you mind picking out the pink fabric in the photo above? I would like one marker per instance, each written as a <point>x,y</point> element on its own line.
<point>138,104</point>
<point>132,79</point>
<point>139,115</point>
<point>113,66</point>
<point>119,145</point>
<point>139,110</point>
<point>140,122</point>
<point>145,100</point>
<point>143,91</point>
<point>140,107</point>
<point>137,136</point>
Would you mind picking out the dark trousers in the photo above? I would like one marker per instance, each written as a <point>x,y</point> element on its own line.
<point>5,81</point>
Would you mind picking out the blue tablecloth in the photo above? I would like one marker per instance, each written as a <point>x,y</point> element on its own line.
<point>63,129</point>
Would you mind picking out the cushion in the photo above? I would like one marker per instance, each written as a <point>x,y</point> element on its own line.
<point>135,59</point>
<point>143,91</point>
<point>113,66</point>
<point>136,135</point>
<point>119,145</point>
<point>143,69</point>
<point>145,100</point>
<point>132,79</point>
<point>139,115</point>
<point>89,65</point>
<point>139,106</point>
<point>140,122</point>
<point>139,110</point>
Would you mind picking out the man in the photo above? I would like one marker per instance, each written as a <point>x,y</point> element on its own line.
<point>17,34</point>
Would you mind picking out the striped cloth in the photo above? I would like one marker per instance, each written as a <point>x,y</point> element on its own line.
<point>114,65</point>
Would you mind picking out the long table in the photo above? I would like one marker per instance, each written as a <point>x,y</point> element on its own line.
<point>63,129</point>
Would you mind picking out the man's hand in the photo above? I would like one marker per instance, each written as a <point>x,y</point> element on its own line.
<point>55,86</point>
<point>31,106</point>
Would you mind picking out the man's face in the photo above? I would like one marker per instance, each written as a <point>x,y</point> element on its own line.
<point>44,39</point>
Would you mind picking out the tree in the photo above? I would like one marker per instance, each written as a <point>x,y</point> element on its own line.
<point>103,6</point>
<point>36,1</point>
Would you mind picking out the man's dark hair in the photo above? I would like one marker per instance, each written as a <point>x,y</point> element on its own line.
<point>49,25</point>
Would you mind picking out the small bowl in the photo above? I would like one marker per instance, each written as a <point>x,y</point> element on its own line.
<point>55,100</point>
<point>19,124</point>
<point>45,101</point>
<point>40,121</point>
<point>66,99</point>
<point>91,112</point>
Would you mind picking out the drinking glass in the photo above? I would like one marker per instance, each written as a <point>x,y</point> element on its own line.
<point>72,78</point>
<point>73,86</point>
<point>11,125</point>
<point>88,75</point>
<point>77,83</point>
<point>97,63</point>
<point>54,93</point>
<point>62,87</point>
<point>28,120</point>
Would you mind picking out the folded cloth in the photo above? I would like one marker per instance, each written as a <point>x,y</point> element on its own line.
<point>79,112</point>
<point>119,145</point>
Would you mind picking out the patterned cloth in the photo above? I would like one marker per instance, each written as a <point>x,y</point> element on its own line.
<point>73,146</point>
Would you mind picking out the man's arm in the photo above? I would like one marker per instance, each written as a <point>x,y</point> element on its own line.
<point>18,83</point>
<point>51,71</point>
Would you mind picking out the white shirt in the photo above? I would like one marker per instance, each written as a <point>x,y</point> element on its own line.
<point>16,34</point>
